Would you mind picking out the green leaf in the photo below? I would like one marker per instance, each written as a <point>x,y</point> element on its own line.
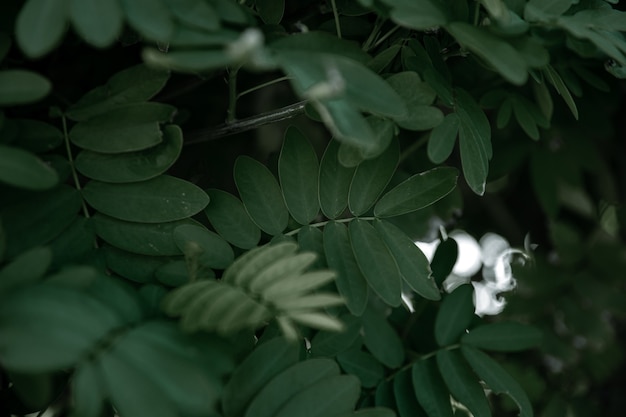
<point>22,87</point>
<point>376,262</point>
<point>412,263</point>
<point>419,191</point>
<point>141,238</point>
<point>334,182</point>
<point>133,166</point>
<point>137,268</point>
<point>197,14</point>
<point>271,11</point>
<point>524,117</point>
<point>496,52</point>
<point>442,139</point>
<point>421,15</point>
<point>555,79</point>
<point>363,365</point>
<point>547,7</point>
<point>381,339</point>
<point>131,85</point>
<point>334,395</point>
<point>288,383</point>
<point>418,96</point>
<point>98,22</point>
<point>346,123</point>
<point>261,195</point>
<point>331,344</point>
<point>455,315</point>
<point>22,169</point>
<point>264,363</point>
<point>298,172</point>
<point>315,42</point>
<point>462,382</point>
<point>37,137</point>
<point>430,389</point>
<point>210,249</point>
<point>5,45</point>
<point>503,336</point>
<point>176,273</point>
<point>87,390</point>
<point>370,179</point>
<point>311,239</point>
<point>404,394</point>
<point>133,127</point>
<point>384,58</point>
<point>28,268</point>
<point>151,18</point>
<point>350,281</point>
<point>40,26</point>
<point>230,219</point>
<point>161,199</point>
<point>497,379</point>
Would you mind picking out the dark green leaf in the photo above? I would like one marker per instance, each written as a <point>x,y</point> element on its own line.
<point>99,22</point>
<point>132,127</point>
<point>22,86</point>
<point>384,58</point>
<point>271,11</point>
<point>298,172</point>
<point>40,25</point>
<point>503,336</point>
<point>87,390</point>
<point>497,379</point>
<point>376,262</point>
<point>381,339</point>
<point>38,137</point>
<point>176,273</point>
<point>462,382</point>
<point>133,166</point>
<point>430,390</point>
<point>418,96</point>
<point>261,195</point>
<point>5,45</point>
<point>421,15</point>
<point>350,281</point>
<point>22,169</point>
<point>363,365</point>
<point>334,182</point>
<point>413,265</point>
<point>371,178</point>
<point>161,199</point>
<point>311,239</point>
<point>525,119</point>
<point>321,42</point>
<point>137,268</point>
<point>229,218</point>
<point>347,124</point>
<point>132,85</point>
<point>443,138</point>
<point>330,344</point>
<point>75,242</point>
<point>28,268</point>
<point>455,315</point>
<point>264,363</point>
<point>548,7</point>
<point>151,18</point>
<point>419,191</point>
<point>404,394</point>
<point>195,13</point>
<point>210,249</point>
<point>557,82</point>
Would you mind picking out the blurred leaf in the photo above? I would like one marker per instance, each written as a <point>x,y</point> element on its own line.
<point>98,22</point>
<point>503,336</point>
<point>370,179</point>
<point>230,219</point>
<point>28,268</point>
<point>455,315</point>
<point>552,7</point>
<point>334,182</point>
<point>261,195</point>
<point>5,45</point>
<point>151,18</point>
<point>133,166</point>
<point>38,137</point>
<point>497,379</point>
<point>271,11</point>
<point>331,344</point>
<point>544,185</point>
<point>176,273</point>
<point>381,339</point>
<point>22,169</point>
<point>376,262</point>
<point>418,96</point>
<point>350,281</point>
<point>384,58</point>
<point>462,382</point>
<point>210,249</point>
<point>161,199</point>
<point>298,172</point>
<point>413,265</point>
<point>430,390</point>
<point>253,374</point>
<point>195,13</point>
<point>40,26</point>
<point>131,85</point>
<point>443,138</point>
<point>404,394</point>
<point>192,60</point>
<point>137,268</point>
<point>87,390</point>
<point>363,365</point>
<point>22,86</point>
<point>421,15</point>
<point>525,119</point>
<point>132,127</point>
<point>321,42</point>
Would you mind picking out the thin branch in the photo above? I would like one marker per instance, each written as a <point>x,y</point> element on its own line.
<point>336,15</point>
<point>243,125</point>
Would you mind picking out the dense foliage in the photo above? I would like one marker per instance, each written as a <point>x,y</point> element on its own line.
<point>209,207</point>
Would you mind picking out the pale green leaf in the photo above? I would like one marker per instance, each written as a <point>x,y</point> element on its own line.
<point>99,22</point>
<point>503,336</point>
<point>40,26</point>
<point>22,86</point>
<point>346,123</point>
<point>455,315</point>
<point>229,218</point>
<point>334,182</point>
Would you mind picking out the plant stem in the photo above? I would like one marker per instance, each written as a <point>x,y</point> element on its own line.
<point>260,86</point>
<point>232,95</point>
<point>367,45</point>
<point>70,158</point>
<point>414,146</point>
<point>421,358</point>
<point>324,223</point>
<point>336,15</point>
<point>385,36</point>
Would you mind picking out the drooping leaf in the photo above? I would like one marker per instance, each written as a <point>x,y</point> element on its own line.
<point>161,199</point>
<point>455,314</point>
<point>131,85</point>
<point>503,336</point>
<point>442,139</point>
<point>261,195</point>
<point>462,382</point>
<point>98,22</point>
<point>298,172</point>
<point>363,365</point>
<point>151,18</point>
<point>210,249</point>
<point>87,390</point>
<point>557,82</point>
<point>22,169</point>
<point>381,339</point>
<point>370,179</point>
<point>229,218</point>
<point>22,86</point>
<point>40,25</point>
<point>412,263</point>
<point>334,182</point>
<point>430,389</point>
<point>497,379</point>
<point>350,281</point>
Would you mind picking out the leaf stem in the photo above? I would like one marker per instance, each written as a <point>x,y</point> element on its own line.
<point>70,158</point>
<point>324,223</point>
<point>421,358</point>
<point>367,45</point>
<point>385,36</point>
<point>260,86</point>
<point>232,95</point>
<point>336,15</point>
